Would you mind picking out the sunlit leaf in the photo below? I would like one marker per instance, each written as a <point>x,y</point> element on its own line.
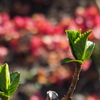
<point>89,49</point>
<point>4,78</point>
<point>78,43</point>
<point>72,36</point>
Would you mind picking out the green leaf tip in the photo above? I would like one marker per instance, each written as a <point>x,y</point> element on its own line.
<point>80,46</point>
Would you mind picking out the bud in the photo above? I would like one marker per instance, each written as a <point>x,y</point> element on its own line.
<point>52,95</point>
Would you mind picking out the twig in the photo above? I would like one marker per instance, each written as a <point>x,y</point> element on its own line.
<point>73,83</point>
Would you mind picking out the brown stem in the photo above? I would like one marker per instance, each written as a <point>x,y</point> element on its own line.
<point>73,83</point>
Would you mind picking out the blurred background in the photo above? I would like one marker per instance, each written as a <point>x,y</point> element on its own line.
<point>33,41</point>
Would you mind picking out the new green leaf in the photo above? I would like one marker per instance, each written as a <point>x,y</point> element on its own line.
<point>79,44</point>
<point>8,82</point>
<point>14,82</point>
<point>4,78</point>
<point>89,49</point>
<point>68,60</point>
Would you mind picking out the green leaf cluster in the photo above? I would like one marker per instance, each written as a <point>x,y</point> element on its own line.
<point>8,82</point>
<point>80,46</point>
